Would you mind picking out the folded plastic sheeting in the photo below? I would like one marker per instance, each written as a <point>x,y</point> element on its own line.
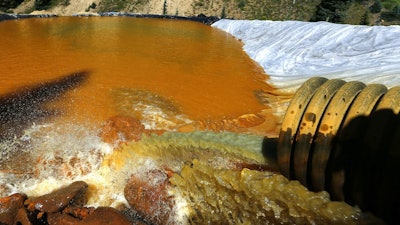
<point>292,51</point>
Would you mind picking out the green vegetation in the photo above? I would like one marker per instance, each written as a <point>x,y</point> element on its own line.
<point>376,7</point>
<point>333,10</point>
<point>390,4</point>
<point>42,4</point>
<point>389,11</point>
<point>358,13</point>
<point>5,5</point>
<point>223,14</point>
<point>165,7</point>
<point>91,6</point>
<point>241,4</point>
<point>47,4</point>
<point>112,5</point>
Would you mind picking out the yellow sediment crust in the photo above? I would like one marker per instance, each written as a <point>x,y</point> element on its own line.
<point>253,197</point>
<point>207,190</point>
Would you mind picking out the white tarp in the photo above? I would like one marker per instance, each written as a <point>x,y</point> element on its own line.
<point>292,51</point>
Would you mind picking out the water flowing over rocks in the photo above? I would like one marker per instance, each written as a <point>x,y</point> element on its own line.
<point>122,129</point>
<point>149,197</point>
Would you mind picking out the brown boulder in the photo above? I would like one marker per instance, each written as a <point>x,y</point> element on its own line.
<point>9,207</point>
<point>22,217</point>
<point>63,206</point>
<point>149,196</point>
<point>56,201</point>
<point>99,216</point>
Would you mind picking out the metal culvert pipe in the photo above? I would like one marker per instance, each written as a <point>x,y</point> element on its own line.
<point>344,138</point>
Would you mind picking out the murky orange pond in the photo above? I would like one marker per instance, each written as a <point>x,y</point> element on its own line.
<point>202,70</point>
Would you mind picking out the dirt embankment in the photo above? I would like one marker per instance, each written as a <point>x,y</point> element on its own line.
<point>171,7</point>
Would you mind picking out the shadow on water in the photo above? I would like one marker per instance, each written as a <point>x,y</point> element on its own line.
<point>21,108</point>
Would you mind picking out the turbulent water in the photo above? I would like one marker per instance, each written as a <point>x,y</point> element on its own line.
<point>63,78</point>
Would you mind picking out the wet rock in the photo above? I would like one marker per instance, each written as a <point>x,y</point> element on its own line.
<point>149,197</point>
<point>79,212</point>
<point>73,194</point>
<point>122,129</point>
<point>99,216</point>
<point>63,206</point>
<point>62,219</point>
<point>9,207</point>
<point>106,215</point>
<point>22,217</point>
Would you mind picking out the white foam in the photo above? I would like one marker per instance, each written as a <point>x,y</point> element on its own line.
<point>153,117</point>
<point>56,155</point>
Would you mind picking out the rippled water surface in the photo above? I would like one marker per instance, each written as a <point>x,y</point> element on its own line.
<point>201,70</point>
<point>63,78</point>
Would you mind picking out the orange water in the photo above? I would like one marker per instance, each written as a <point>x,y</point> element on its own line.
<point>202,69</point>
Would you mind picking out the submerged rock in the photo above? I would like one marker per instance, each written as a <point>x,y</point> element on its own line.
<point>122,129</point>
<point>151,108</point>
<point>149,197</point>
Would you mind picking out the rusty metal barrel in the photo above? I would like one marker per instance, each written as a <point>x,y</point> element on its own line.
<point>344,138</point>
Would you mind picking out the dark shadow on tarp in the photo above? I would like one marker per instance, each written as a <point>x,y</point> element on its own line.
<point>21,108</point>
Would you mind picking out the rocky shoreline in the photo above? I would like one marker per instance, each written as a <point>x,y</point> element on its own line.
<point>62,206</point>
<point>208,20</point>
